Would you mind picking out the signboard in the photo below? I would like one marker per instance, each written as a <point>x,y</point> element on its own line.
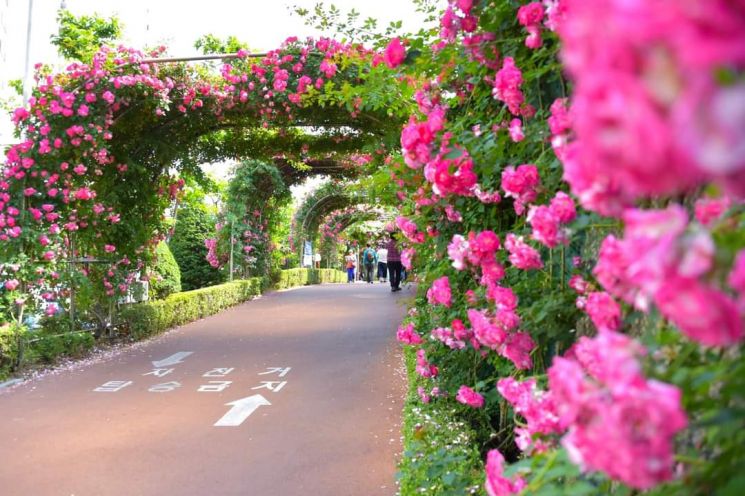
<point>307,254</point>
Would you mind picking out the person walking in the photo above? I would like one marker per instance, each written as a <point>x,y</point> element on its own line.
<point>350,259</point>
<point>370,261</point>
<point>394,263</point>
<point>382,263</point>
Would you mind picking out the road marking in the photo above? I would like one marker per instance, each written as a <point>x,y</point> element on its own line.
<point>112,386</point>
<point>165,387</point>
<point>214,386</point>
<point>270,385</point>
<point>219,372</point>
<point>174,359</point>
<point>241,410</point>
<point>273,370</point>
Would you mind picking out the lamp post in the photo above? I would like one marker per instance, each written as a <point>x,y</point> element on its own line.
<point>27,63</point>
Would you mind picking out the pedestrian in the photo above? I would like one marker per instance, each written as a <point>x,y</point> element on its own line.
<point>317,260</point>
<point>394,263</point>
<point>370,261</point>
<point>382,263</point>
<point>350,259</point>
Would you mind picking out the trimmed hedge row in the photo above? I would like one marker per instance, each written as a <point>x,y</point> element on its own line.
<point>439,457</point>
<point>301,277</point>
<point>146,319</point>
<point>152,317</point>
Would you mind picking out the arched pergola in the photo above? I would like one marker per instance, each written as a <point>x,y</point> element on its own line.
<point>104,143</point>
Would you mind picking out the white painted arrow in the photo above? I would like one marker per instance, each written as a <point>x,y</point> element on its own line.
<point>173,359</point>
<point>241,410</point>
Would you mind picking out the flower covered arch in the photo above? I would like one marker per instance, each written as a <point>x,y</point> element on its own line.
<point>102,146</point>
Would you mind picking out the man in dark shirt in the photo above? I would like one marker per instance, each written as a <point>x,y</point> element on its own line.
<point>394,263</point>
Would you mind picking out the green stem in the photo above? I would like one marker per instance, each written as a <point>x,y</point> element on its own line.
<point>689,459</point>
<point>535,483</point>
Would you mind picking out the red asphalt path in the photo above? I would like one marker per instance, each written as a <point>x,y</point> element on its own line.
<point>331,429</point>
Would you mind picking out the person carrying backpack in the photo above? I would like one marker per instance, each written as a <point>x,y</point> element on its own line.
<point>370,261</point>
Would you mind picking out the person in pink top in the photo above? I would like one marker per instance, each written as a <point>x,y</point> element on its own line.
<point>394,262</point>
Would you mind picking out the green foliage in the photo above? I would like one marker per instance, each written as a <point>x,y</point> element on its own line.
<point>47,347</point>
<point>210,43</point>
<point>302,277</point>
<point>148,318</point>
<point>256,209</point>
<point>78,38</point>
<point>440,455</point>
<point>11,337</point>
<point>167,275</point>
<point>194,224</point>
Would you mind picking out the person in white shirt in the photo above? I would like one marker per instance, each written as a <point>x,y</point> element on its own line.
<point>382,264</point>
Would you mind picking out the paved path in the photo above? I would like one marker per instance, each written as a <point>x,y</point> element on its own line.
<point>332,427</point>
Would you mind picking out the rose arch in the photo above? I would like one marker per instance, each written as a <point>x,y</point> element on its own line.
<point>104,148</point>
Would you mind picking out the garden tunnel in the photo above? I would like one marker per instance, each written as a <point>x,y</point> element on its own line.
<point>329,199</point>
<point>106,147</point>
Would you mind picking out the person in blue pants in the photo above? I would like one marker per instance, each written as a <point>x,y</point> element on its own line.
<point>350,260</point>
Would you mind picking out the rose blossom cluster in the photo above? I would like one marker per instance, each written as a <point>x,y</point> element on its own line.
<point>649,116</point>
<point>507,86</point>
<point>538,409</point>
<point>615,419</point>
<point>521,184</point>
<point>496,483</point>
<point>494,331</point>
<point>469,397</point>
<point>530,16</point>
<point>659,260</point>
<point>547,220</point>
<point>407,335</point>
<point>417,137</point>
<point>522,255</point>
<point>423,367</point>
<point>457,17</point>
<point>479,251</point>
<point>439,293</point>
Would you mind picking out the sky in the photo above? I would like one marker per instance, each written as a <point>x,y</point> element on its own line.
<point>263,24</point>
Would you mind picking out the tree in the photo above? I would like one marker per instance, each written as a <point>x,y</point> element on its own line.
<point>193,225</point>
<point>78,38</point>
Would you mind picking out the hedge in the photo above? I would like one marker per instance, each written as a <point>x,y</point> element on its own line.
<point>145,319</point>
<point>152,317</point>
<point>10,339</point>
<point>440,457</point>
<point>301,277</point>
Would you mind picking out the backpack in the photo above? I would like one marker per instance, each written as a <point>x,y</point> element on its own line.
<point>369,257</point>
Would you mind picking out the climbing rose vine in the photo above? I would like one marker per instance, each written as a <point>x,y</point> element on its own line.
<point>586,178</point>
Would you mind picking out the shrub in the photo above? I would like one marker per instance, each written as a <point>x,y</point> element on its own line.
<point>193,225</point>
<point>167,278</point>
<point>46,348</point>
<point>145,319</point>
<point>301,277</point>
<point>10,338</point>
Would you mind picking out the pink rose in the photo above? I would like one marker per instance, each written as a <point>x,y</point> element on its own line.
<point>469,397</point>
<point>395,53</point>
